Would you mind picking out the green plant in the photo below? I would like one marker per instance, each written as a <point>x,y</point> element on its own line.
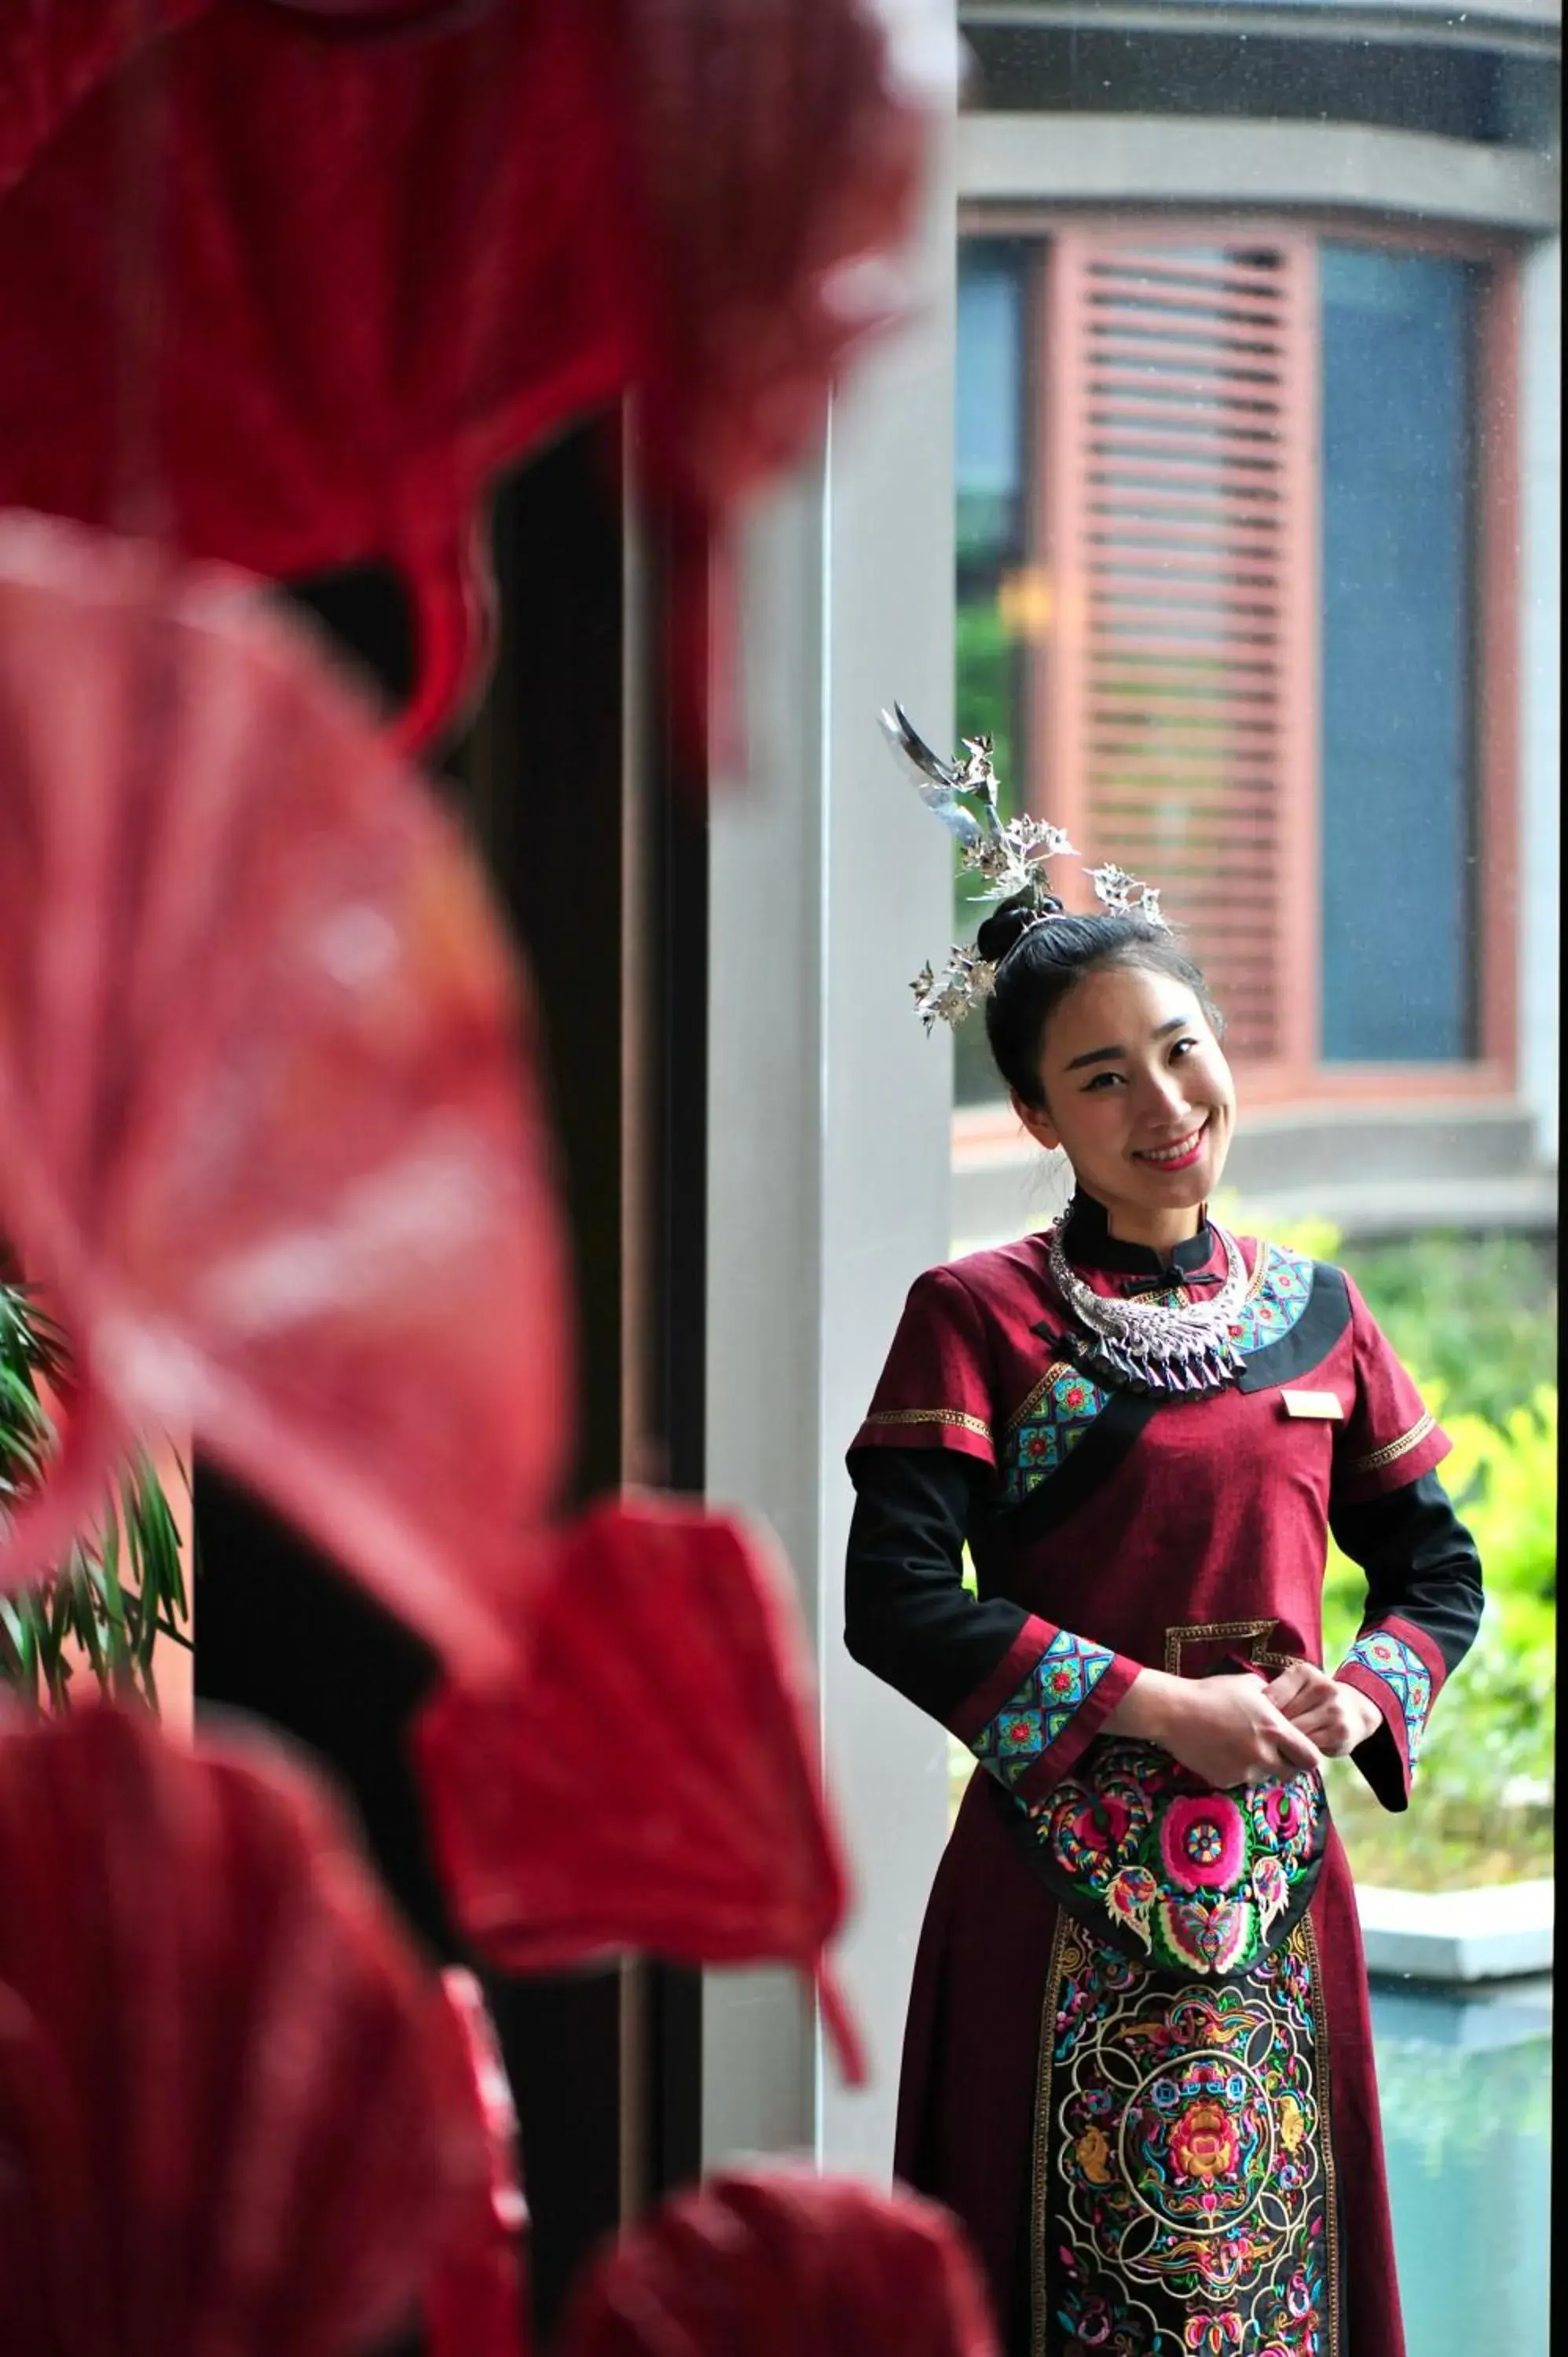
<point>123,1586</point>
<point>1476,1314</point>
<point>1482,1803</point>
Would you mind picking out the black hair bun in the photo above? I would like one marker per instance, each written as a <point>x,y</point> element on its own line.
<point>1006,927</point>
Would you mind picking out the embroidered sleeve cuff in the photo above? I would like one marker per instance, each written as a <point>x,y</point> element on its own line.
<point>1397,1463</point>
<point>1397,1667</point>
<point>1042,1706</point>
<point>927,1427</point>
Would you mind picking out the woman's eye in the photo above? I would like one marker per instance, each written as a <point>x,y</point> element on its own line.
<point>1183,1045</point>
<point>1104,1081</point>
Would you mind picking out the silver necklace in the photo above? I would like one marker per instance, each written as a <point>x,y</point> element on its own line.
<point>1146,1346</point>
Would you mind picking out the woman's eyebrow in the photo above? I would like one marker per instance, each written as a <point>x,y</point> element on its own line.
<point>1119,1055</point>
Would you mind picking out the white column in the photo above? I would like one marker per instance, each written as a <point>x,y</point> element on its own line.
<point>829,1115</point>
<point>1541,475</point>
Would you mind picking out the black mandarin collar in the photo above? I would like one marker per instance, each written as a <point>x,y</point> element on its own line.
<point>1089,1244</point>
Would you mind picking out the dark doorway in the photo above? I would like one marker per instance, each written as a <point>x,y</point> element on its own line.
<point>598,851</point>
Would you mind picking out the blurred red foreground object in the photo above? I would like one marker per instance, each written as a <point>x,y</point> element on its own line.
<point>473,2304</point>
<point>784,2265</point>
<point>233,2115</point>
<point>295,294</point>
<point>268,1136</point>
<point>644,1779</point>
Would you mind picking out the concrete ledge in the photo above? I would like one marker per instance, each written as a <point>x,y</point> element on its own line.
<point>1503,1933</point>
<point>1143,159</point>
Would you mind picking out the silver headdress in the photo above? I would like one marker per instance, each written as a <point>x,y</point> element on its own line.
<point>1009,854</point>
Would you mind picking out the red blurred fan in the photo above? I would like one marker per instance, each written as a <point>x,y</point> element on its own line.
<point>645,1779</point>
<point>267,1133</point>
<point>308,290</point>
<point>233,2115</point>
<point>782,2263</point>
<point>473,2304</point>
<point>54,53</point>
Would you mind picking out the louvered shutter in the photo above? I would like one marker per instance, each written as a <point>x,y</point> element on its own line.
<point>1174,729</point>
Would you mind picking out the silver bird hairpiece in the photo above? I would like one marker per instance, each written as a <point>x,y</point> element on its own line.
<point>1010,855</point>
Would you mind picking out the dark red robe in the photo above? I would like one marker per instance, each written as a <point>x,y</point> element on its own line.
<point>1153,2105</point>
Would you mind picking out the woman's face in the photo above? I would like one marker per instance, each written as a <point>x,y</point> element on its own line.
<point>1140,1099</point>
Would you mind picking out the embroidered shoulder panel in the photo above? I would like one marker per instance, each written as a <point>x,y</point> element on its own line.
<point>1048,1428</point>
<point>1064,1677</point>
<point>1406,1675</point>
<point>1276,1299</point>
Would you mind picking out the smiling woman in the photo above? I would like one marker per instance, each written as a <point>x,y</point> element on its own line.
<point>1141,1943</point>
<point>1105,1034</point>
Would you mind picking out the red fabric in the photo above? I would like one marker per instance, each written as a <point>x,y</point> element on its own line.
<point>936,1389</point>
<point>778,2262</point>
<point>1388,1439</point>
<point>473,2304</point>
<point>296,298</point>
<point>645,1777</point>
<point>232,2120</point>
<point>54,53</point>
<point>268,1133</point>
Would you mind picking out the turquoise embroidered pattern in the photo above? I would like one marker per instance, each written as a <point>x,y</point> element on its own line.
<point>1402,1669</point>
<point>1056,1421</point>
<point>1062,1680</point>
<point>1267,1313</point>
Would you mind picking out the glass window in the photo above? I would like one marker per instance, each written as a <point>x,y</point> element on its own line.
<point>991,464</point>
<point>1397,931</point>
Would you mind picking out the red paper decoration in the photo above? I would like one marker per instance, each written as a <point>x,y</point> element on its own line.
<point>778,2264</point>
<point>645,1777</point>
<point>268,1132</point>
<point>473,2304</point>
<point>295,294</point>
<point>232,2114</point>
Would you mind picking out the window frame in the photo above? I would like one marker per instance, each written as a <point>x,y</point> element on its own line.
<point>1301,1077</point>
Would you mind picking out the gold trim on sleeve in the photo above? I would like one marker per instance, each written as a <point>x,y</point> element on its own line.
<point>1395,1449</point>
<point>930,1416</point>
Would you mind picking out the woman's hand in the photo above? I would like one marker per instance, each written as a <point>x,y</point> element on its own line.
<point>1336,1718</point>
<point>1229,1729</point>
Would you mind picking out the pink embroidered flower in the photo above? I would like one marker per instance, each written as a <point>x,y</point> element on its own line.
<point>1212,2336</point>
<point>1018,1734</point>
<point>1202,2142</point>
<point>1075,1396</point>
<point>1202,1842</point>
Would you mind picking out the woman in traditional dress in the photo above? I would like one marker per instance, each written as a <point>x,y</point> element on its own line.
<point>1138,2061</point>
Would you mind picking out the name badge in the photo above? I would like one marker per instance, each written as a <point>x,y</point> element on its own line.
<point>1322,1405</point>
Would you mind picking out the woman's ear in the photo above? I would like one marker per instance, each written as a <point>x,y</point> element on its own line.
<point>1038,1121</point>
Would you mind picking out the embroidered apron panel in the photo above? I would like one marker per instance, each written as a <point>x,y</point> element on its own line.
<point>1183,2182</point>
<point>1168,1872</point>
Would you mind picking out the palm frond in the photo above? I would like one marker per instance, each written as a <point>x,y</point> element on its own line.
<point>123,1586</point>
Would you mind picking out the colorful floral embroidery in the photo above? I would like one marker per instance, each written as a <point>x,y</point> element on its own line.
<point>1402,1669</point>
<point>1055,1420</point>
<point>1276,1304</point>
<point>1192,1880</point>
<point>1062,1679</point>
<point>1182,2176</point>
